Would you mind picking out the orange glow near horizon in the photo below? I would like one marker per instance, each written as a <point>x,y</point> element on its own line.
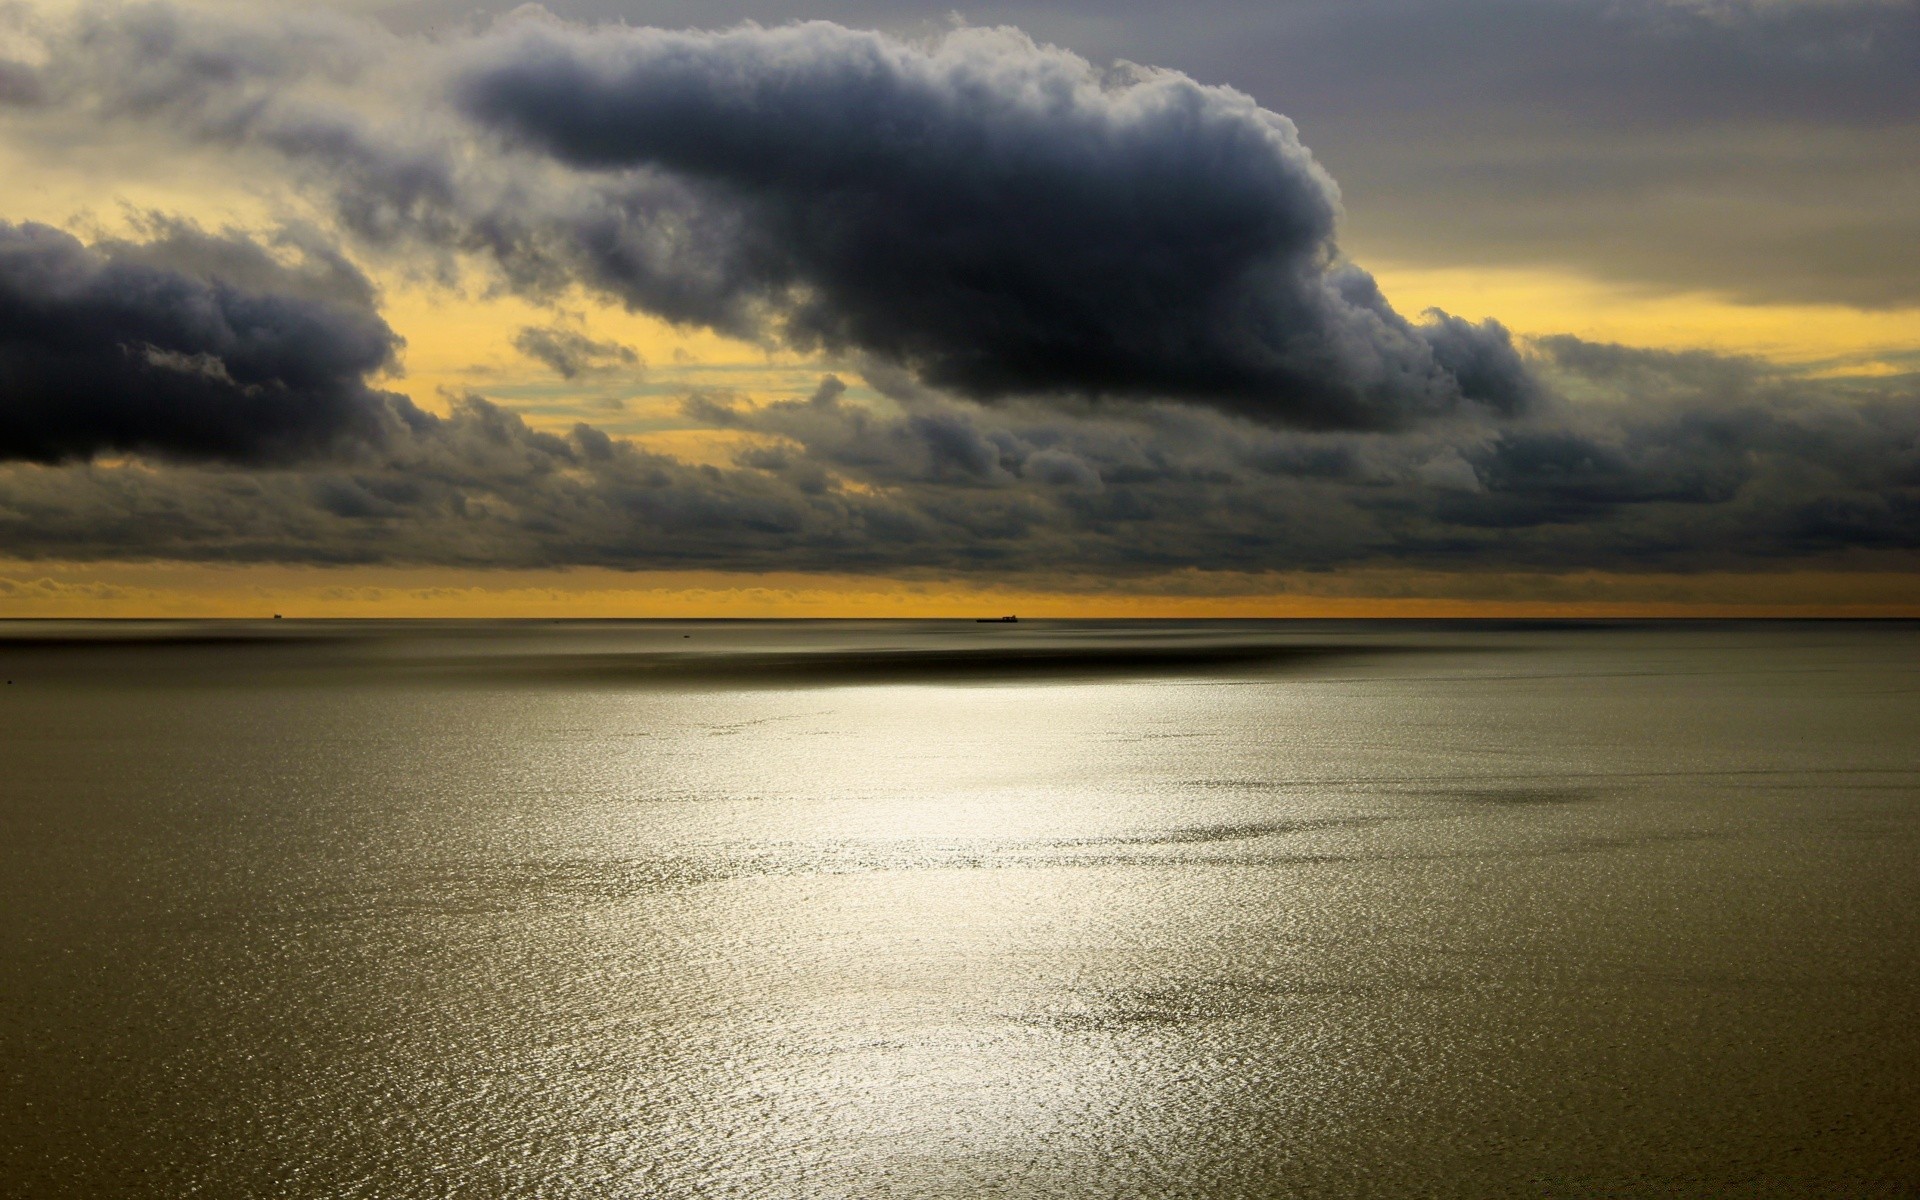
<point>120,590</point>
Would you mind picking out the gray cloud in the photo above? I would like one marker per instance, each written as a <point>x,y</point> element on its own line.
<point>570,353</point>
<point>190,346</point>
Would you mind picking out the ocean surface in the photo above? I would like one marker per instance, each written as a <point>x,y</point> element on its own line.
<point>945,909</point>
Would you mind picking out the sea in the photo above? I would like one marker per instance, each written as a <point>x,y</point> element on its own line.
<point>957,909</point>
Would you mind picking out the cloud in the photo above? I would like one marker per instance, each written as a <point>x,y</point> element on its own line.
<point>189,346</point>
<point>570,353</point>
<point>999,216</point>
<point>1685,459</point>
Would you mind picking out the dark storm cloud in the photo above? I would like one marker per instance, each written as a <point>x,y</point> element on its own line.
<point>1000,216</point>
<point>188,346</point>
<point>570,353</point>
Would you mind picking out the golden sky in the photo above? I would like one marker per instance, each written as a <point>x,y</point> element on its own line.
<point>459,339</point>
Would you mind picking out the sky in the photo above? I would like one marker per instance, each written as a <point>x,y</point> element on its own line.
<point>601,308</point>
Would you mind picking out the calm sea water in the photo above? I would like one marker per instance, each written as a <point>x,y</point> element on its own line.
<point>299,909</point>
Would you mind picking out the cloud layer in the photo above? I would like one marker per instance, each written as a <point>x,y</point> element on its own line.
<point>1676,462</point>
<point>188,346</point>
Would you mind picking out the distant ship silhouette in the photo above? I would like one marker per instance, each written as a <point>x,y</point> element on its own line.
<point>995,620</point>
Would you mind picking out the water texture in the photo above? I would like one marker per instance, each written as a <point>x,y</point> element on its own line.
<point>672,909</point>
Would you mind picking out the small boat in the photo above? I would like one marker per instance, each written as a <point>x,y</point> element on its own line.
<point>995,620</point>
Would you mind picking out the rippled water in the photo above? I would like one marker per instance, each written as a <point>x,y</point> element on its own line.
<point>945,909</point>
